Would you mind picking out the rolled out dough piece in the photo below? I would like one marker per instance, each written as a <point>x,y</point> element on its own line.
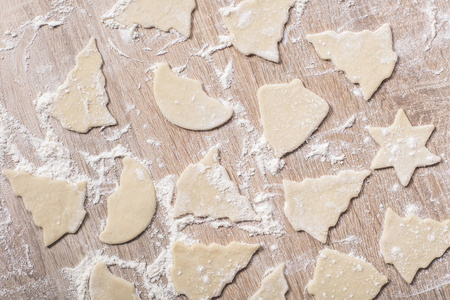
<point>411,243</point>
<point>201,272</point>
<point>366,57</point>
<point>105,286</point>
<point>184,103</point>
<point>403,147</point>
<point>80,102</point>
<point>340,276</point>
<point>132,206</point>
<point>256,26</point>
<point>56,205</point>
<point>273,287</point>
<point>205,189</point>
<point>290,113</point>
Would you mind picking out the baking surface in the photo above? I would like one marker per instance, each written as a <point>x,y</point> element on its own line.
<point>37,60</point>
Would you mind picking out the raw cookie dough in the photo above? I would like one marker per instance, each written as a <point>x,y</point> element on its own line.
<point>290,113</point>
<point>205,189</point>
<point>411,243</point>
<point>184,103</point>
<point>403,147</point>
<point>273,287</point>
<point>80,102</point>
<point>56,205</point>
<point>340,276</point>
<point>314,205</point>
<point>366,57</point>
<point>132,206</point>
<point>256,26</point>
<point>201,272</point>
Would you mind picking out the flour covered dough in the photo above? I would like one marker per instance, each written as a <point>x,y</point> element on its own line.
<point>273,287</point>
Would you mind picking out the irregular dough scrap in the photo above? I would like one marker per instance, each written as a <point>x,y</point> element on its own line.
<point>366,57</point>
<point>411,243</point>
<point>184,103</point>
<point>132,206</point>
<point>56,205</point>
<point>205,189</point>
<point>256,26</point>
<point>273,287</point>
<point>403,147</point>
<point>290,113</point>
<point>314,205</point>
<point>340,276</point>
<point>201,272</point>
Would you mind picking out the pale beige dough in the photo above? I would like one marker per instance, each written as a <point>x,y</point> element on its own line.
<point>366,57</point>
<point>56,205</point>
<point>411,243</point>
<point>273,287</point>
<point>201,272</point>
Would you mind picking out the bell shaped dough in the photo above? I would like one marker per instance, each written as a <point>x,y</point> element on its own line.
<point>411,243</point>
<point>314,205</point>
<point>132,206</point>
<point>56,205</point>
<point>273,287</point>
<point>205,189</point>
<point>184,103</point>
<point>201,272</point>
<point>290,113</point>
<point>366,57</point>
<point>80,102</point>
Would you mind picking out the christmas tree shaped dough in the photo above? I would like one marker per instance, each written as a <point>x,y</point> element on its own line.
<point>205,189</point>
<point>184,103</point>
<point>411,243</point>
<point>80,102</point>
<point>314,205</point>
<point>273,287</point>
<point>201,272</point>
<point>290,113</point>
<point>56,205</point>
<point>366,57</point>
<point>132,206</point>
<point>340,276</point>
<point>256,26</point>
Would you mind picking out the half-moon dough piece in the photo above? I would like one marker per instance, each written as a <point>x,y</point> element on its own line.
<point>290,113</point>
<point>184,103</point>
<point>314,205</point>
<point>201,272</point>
<point>80,102</point>
<point>411,243</point>
<point>273,287</point>
<point>56,205</point>
<point>132,206</point>
<point>366,57</point>
<point>205,189</point>
<point>340,276</point>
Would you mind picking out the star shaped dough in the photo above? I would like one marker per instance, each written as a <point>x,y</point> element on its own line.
<point>403,147</point>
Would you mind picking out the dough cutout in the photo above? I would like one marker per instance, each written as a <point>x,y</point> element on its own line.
<point>132,206</point>
<point>273,287</point>
<point>315,205</point>
<point>184,103</point>
<point>257,26</point>
<point>56,205</point>
<point>411,243</point>
<point>340,276</point>
<point>290,113</point>
<point>201,272</point>
<point>403,147</point>
<point>366,57</point>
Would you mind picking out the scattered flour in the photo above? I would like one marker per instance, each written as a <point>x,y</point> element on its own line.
<point>116,133</point>
<point>322,152</point>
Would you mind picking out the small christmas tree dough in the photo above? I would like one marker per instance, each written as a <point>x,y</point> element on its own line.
<point>132,206</point>
<point>411,243</point>
<point>340,276</point>
<point>256,26</point>
<point>366,57</point>
<point>201,272</point>
<point>314,205</point>
<point>184,103</point>
<point>273,287</point>
<point>56,205</point>
<point>403,147</point>
<point>206,190</point>
<point>290,113</point>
